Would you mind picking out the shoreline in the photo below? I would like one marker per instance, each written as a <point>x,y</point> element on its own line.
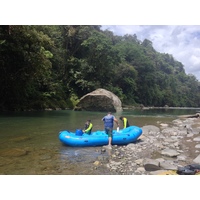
<point>161,149</point>
<point>125,107</point>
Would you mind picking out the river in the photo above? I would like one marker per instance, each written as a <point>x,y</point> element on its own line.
<point>29,143</point>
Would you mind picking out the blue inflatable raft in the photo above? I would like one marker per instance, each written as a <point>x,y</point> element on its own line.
<point>100,138</point>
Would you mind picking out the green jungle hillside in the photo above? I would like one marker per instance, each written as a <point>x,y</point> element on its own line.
<point>54,66</point>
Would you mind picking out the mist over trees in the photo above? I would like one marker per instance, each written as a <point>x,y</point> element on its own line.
<point>53,66</point>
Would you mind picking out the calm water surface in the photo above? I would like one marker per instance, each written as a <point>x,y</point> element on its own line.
<point>29,141</point>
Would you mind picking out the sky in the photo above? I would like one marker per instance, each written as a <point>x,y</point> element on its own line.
<point>181,41</point>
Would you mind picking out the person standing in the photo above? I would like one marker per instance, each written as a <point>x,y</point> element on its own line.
<point>88,127</point>
<point>109,120</point>
<point>125,122</point>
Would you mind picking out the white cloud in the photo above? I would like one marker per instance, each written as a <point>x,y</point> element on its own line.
<point>182,42</point>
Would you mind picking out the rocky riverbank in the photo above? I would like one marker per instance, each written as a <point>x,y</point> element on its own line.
<point>159,149</point>
<point>162,147</point>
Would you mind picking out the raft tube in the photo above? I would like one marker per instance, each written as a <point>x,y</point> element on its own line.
<point>100,138</point>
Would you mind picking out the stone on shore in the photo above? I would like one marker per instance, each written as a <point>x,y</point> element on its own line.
<point>170,152</point>
<point>197,139</point>
<point>197,159</point>
<point>151,165</point>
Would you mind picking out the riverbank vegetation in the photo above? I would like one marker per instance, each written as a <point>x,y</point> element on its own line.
<point>53,66</point>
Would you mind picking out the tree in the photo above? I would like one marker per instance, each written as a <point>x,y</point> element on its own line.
<point>25,64</point>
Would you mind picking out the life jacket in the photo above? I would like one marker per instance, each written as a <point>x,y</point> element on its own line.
<point>108,121</point>
<point>88,128</point>
<point>125,122</point>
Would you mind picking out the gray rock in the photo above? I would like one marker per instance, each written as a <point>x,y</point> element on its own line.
<point>197,159</point>
<point>197,146</point>
<point>170,152</point>
<point>170,131</point>
<point>150,130</point>
<point>177,122</point>
<point>168,165</point>
<point>182,157</point>
<point>160,159</point>
<point>197,139</point>
<point>140,169</point>
<point>151,164</point>
<point>100,100</point>
<point>190,135</point>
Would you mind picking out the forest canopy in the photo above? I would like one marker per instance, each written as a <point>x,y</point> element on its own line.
<point>54,66</point>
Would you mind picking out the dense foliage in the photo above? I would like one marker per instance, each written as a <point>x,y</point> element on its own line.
<point>53,66</point>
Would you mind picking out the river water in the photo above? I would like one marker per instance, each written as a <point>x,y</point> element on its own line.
<point>29,143</point>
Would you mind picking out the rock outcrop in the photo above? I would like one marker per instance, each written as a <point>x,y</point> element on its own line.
<point>100,100</point>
